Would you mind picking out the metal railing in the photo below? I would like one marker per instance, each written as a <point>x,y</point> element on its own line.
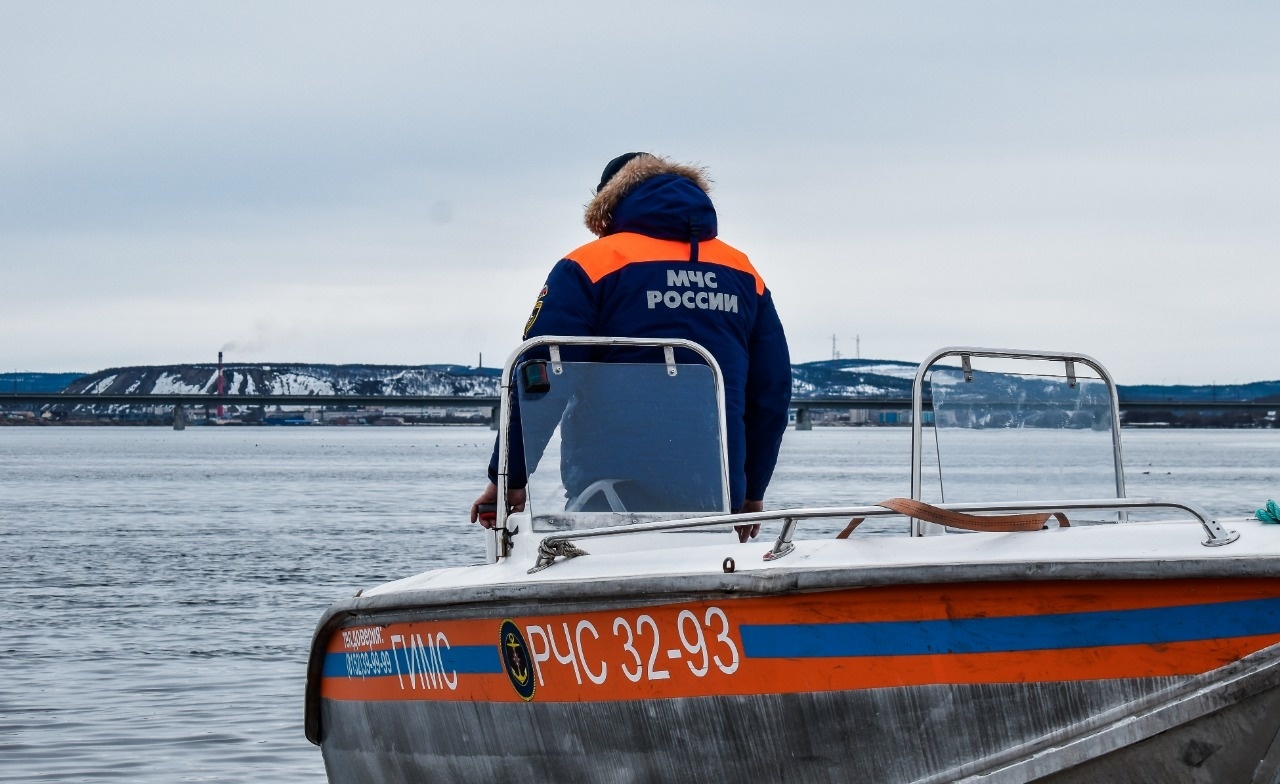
<point>555,545</point>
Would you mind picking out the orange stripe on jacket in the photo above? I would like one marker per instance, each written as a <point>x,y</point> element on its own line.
<point>612,253</point>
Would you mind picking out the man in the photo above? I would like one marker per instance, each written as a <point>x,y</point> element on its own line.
<point>658,270</point>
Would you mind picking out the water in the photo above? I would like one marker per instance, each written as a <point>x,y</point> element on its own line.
<point>160,588</point>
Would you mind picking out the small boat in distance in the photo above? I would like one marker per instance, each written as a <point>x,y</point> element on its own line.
<point>1004,626</point>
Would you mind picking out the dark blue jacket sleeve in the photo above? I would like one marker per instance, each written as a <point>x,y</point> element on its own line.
<point>768,397</point>
<point>566,306</point>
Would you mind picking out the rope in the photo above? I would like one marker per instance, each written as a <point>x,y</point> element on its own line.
<point>547,553</point>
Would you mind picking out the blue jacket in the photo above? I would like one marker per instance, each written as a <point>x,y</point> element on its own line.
<point>659,271</point>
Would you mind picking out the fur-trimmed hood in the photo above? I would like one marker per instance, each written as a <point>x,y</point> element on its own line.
<point>683,202</point>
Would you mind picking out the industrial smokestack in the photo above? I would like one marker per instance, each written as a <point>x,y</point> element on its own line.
<point>220,391</point>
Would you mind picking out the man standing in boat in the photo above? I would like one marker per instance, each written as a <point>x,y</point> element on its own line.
<point>658,270</point>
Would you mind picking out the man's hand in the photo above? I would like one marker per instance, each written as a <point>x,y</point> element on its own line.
<point>515,503</point>
<point>751,530</point>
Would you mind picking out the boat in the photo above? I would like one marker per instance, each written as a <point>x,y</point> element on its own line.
<point>618,631</point>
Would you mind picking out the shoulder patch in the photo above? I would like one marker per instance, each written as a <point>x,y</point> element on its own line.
<point>528,325</point>
<point>537,308</point>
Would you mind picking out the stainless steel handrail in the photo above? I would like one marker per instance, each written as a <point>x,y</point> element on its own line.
<point>551,341</point>
<point>550,546</point>
<point>917,407</point>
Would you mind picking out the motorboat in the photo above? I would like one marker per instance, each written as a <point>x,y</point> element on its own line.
<point>1009,620</point>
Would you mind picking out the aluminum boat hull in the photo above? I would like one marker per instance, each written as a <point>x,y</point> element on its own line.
<point>638,645</point>
<point>1051,679</point>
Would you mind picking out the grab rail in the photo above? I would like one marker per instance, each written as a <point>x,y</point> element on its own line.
<point>562,544</point>
<point>1218,535</point>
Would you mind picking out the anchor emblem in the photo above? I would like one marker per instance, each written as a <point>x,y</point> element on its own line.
<point>515,659</point>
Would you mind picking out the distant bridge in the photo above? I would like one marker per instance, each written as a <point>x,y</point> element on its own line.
<point>802,406</point>
<point>213,401</point>
<point>395,401</point>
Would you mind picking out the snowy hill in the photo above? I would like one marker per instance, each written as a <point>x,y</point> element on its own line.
<point>834,378</point>
<point>852,378</point>
<point>293,379</point>
<point>826,378</point>
<point>1258,391</point>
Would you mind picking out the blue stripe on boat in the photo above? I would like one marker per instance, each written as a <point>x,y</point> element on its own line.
<point>461,659</point>
<point>1017,633</point>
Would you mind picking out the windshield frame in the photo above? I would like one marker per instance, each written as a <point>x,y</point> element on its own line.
<point>553,343</point>
<point>965,353</point>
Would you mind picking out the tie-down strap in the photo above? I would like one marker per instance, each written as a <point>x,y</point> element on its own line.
<point>969,522</point>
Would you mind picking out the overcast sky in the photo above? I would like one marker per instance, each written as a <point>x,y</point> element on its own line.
<point>390,183</point>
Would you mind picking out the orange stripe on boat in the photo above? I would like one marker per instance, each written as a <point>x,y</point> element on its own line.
<point>557,681</point>
<point>893,636</point>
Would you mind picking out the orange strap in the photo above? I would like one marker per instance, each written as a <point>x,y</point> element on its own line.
<point>992,523</point>
<point>848,529</point>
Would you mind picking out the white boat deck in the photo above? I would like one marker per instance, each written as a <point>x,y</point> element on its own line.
<point>703,553</point>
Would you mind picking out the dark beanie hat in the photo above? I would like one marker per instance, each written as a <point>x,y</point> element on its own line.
<point>613,167</point>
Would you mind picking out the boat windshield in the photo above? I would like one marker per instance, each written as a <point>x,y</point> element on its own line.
<point>1011,436</point>
<point>617,443</point>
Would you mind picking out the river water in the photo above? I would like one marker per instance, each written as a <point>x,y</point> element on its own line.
<point>159,588</point>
